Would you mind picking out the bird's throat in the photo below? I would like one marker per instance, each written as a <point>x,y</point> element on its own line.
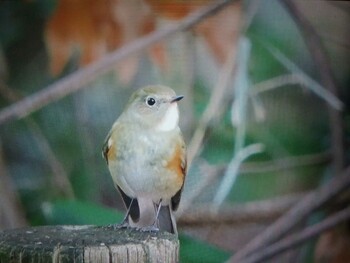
<point>170,119</point>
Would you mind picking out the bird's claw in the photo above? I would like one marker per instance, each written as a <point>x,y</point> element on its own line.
<point>119,226</point>
<point>151,228</point>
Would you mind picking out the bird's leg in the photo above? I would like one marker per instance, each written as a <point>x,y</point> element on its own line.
<point>156,222</point>
<point>157,214</point>
<point>125,222</point>
<point>155,226</point>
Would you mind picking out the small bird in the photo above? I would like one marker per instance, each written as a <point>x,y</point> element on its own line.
<point>146,156</point>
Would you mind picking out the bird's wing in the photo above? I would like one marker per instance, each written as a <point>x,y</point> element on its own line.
<point>106,147</point>
<point>108,151</point>
<point>175,200</point>
<point>131,204</point>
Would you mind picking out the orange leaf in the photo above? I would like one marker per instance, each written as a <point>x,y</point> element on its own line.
<point>87,25</point>
<point>176,10</point>
<point>221,31</point>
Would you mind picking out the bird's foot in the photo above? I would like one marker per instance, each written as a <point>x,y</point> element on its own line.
<point>151,228</point>
<point>119,226</point>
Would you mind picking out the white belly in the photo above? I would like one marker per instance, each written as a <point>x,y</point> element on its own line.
<point>141,169</point>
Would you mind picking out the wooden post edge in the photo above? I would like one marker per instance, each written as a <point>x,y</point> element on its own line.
<point>95,244</point>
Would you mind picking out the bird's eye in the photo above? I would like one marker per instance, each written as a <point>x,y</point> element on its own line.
<point>150,101</point>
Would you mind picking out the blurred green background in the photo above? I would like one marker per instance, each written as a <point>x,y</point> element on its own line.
<point>51,167</point>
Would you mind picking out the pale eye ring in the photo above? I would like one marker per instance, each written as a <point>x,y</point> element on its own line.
<point>150,101</point>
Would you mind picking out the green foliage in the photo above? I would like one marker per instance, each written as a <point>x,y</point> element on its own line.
<point>193,251</point>
<point>70,212</point>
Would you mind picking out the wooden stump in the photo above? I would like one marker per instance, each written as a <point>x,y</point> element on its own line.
<point>86,244</point>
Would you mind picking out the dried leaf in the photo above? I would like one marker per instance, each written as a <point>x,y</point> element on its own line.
<point>98,27</point>
<point>333,246</point>
<point>86,25</point>
<point>221,31</point>
<point>175,10</point>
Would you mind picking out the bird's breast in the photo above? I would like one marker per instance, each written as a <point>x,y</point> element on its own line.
<point>146,163</point>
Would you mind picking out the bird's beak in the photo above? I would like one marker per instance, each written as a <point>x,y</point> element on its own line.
<point>176,98</point>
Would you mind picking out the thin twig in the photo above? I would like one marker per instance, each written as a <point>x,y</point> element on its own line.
<point>273,83</point>
<point>82,77</point>
<point>277,165</point>
<point>299,238</point>
<point>211,111</point>
<point>273,166</point>
<point>209,175</point>
<point>215,103</point>
<point>238,119</point>
<point>232,171</point>
<point>306,80</point>
<point>297,213</point>
<point>291,162</point>
<point>318,52</point>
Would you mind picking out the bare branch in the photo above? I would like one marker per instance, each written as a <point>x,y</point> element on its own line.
<point>299,238</point>
<point>283,164</point>
<point>59,176</point>
<point>297,213</point>
<point>82,77</point>
<point>251,212</point>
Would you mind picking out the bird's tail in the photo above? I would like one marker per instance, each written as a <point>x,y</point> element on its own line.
<point>166,219</point>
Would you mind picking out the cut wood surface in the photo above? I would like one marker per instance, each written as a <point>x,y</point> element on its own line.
<point>86,244</point>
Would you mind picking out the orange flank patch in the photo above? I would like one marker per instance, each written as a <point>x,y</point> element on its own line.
<point>111,152</point>
<point>178,164</point>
